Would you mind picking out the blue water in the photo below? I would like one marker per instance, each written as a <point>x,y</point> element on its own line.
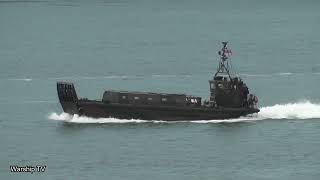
<point>161,46</point>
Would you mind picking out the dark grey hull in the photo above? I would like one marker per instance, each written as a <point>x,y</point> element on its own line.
<point>98,109</point>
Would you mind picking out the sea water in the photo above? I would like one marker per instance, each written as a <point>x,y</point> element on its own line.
<point>159,46</point>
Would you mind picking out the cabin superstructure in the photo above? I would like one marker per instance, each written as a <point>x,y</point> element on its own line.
<point>228,90</point>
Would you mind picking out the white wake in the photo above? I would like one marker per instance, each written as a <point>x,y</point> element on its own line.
<point>299,110</point>
<point>82,119</point>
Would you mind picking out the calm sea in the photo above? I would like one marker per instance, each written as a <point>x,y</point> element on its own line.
<point>162,46</point>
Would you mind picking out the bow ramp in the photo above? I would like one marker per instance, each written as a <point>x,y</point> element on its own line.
<point>68,97</point>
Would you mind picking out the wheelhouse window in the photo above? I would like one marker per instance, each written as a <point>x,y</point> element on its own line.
<point>124,97</point>
<point>163,99</point>
<point>136,98</point>
<point>149,98</point>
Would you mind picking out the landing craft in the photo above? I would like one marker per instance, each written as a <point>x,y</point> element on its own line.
<point>229,98</point>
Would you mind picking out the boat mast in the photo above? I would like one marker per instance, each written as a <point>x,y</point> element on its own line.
<point>224,67</point>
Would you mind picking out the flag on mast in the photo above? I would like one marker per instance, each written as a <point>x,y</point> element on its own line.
<point>227,52</point>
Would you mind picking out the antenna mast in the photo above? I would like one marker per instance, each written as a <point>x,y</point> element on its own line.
<point>224,67</point>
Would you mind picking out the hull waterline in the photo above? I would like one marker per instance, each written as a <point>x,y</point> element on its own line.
<point>98,109</point>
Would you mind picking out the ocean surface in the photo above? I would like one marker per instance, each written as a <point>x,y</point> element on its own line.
<point>162,46</point>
